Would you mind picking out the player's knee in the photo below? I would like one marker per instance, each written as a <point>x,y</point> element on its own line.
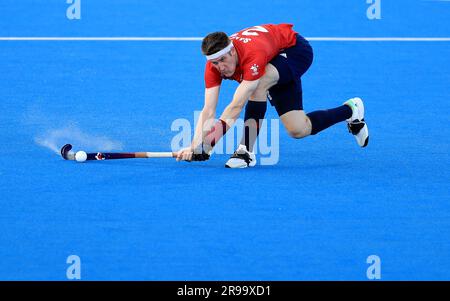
<point>265,84</point>
<point>298,133</point>
<point>300,128</point>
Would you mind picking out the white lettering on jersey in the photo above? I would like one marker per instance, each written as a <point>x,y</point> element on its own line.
<point>240,39</point>
<point>253,31</point>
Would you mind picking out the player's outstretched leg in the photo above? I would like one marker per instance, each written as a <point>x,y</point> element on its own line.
<point>356,123</point>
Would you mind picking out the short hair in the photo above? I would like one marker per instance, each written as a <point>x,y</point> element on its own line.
<point>215,42</point>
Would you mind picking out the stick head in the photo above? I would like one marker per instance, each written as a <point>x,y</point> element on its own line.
<point>66,153</point>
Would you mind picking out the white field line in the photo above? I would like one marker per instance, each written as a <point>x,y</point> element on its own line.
<point>326,39</point>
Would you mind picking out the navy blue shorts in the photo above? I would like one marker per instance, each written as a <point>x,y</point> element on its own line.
<point>291,64</point>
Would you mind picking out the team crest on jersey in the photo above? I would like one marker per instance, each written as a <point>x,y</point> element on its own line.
<point>254,69</point>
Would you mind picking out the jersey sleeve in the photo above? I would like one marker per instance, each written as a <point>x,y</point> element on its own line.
<point>212,76</point>
<point>254,66</point>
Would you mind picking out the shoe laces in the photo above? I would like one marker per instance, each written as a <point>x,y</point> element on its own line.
<point>241,154</point>
<point>355,126</point>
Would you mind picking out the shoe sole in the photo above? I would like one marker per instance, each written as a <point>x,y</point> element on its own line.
<point>240,166</point>
<point>360,105</point>
<point>361,109</point>
<point>237,167</point>
<point>366,140</point>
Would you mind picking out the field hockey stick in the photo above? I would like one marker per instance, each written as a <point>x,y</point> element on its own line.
<point>67,154</point>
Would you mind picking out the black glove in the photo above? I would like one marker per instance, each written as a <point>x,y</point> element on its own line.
<point>200,157</point>
<point>200,154</point>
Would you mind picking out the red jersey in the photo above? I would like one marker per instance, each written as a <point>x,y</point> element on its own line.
<point>256,47</point>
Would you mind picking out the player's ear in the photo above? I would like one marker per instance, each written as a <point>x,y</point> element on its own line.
<point>233,51</point>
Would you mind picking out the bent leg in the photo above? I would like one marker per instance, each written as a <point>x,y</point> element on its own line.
<point>297,124</point>
<point>256,107</point>
<point>253,119</point>
<point>323,119</point>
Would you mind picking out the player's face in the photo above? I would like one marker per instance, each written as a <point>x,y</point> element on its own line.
<point>226,64</point>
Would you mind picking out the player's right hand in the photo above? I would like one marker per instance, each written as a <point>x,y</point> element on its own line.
<point>185,154</point>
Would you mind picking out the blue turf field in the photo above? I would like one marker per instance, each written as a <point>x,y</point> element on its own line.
<point>316,215</point>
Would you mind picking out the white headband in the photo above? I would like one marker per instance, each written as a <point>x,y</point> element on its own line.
<point>220,53</point>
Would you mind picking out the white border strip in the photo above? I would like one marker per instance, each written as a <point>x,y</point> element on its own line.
<point>327,39</point>
<point>99,39</point>
<point>381,39</point>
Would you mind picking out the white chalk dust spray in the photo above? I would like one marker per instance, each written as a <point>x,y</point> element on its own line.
<point>54,139</point>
